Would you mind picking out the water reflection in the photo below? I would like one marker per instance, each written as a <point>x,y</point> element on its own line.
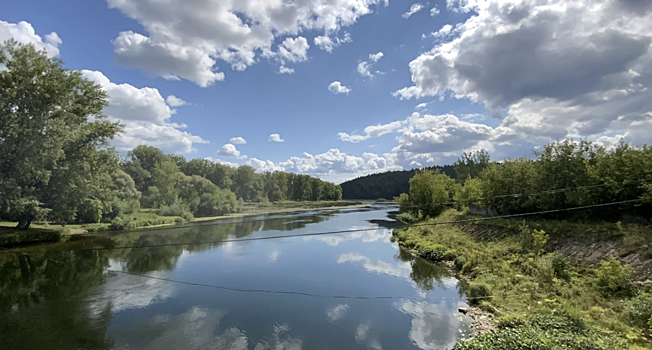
<point>434,326</point>
<point>67,300</point>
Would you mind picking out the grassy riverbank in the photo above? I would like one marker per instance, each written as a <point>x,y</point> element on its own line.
<point>148,218</point>
<point>538,298</point>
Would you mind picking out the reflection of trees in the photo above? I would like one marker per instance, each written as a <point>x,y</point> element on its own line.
<point>141,260</point>
<point>424,273</point>
<point>42,302</point>
<point>44,294</point>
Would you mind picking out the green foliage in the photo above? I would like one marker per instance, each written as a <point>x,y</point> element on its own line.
<point>532,240</point>
<point>471,164</point>
<point>450,254</point>
<point>385,185</point>
<point>54,155</point>
<point>176,209</point>
<point>459,262</point>
<point>478,291</point>
<point>466,194</point>
<point>615,279</point>
<point>639,310</point>
<point>560,265</point>
<point>433,252</point>
<point>428,193</point>
<point>406,218</point>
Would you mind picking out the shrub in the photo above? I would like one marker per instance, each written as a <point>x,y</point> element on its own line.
<point>615,279</point>
<point>639,310</point>
<point>510,321</point>
<point>459,262</point>
<point>434,252</point>
<point>560,265</point>
<point>559,320</point>
<point>478,291</point>
<point>176,209</point>
<point>545,270</point>
<point>506,339</point>
<point>450,254</point>
<point>406,218</point>
<point>119,223</point>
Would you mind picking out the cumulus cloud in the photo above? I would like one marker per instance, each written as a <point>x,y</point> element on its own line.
<point>337,312</point>
<point>263,165</point>
<point>327,43</point>
<point>559,68</point>
<point>275,138</point>
<point>371,131</point>
<point>285,70</point>
<point>223,162</point>
<point>434,11</point>
<point>337,88</point>
<point>174,101</point>
<point>146,116</point>
<point>238,140</point>
<point>364,67</point>
<point>186,42</point>
<point>23,32</point>
<point>229,150</point>
<point>416,7</point>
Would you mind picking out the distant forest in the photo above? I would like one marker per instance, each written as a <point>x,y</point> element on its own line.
<point>386,185</point>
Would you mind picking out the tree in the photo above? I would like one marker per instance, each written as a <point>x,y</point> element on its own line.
<point>471,164</point>
<point>53,137</point>
<point>429,191</point>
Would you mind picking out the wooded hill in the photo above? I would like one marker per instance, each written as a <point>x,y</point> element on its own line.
<point>385,185</point>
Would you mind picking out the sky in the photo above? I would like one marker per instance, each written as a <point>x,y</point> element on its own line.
<point>344,88</point>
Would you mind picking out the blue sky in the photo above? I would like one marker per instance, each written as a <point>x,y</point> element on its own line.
<point>501,75</point>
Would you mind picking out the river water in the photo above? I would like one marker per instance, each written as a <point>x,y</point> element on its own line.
<point>356,290</point>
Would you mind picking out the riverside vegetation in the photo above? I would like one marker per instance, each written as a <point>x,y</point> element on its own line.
<point>57,165</point>
<point>511,269</point>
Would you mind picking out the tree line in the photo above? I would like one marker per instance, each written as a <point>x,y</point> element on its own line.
<point>564,174</point>
<point>57,163</point>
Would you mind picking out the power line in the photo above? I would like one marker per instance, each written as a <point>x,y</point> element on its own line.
<point>311,234</point>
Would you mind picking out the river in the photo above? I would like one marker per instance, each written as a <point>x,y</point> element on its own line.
<point>347,291</point>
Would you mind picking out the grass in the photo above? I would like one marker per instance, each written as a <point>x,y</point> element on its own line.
<point>148,218</point>
<point>528,282</point>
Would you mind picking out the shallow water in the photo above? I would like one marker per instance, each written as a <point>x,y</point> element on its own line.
<point>356,290</point>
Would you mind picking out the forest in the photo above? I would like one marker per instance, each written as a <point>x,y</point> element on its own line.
<point>57,164</point>
<point>385,185</point>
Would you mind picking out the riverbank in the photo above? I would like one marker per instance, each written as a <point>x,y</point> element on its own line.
<point>148,219</point>
<point>536,296</point>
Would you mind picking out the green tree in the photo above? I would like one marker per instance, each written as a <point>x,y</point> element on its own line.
<point>53,137</point>
<point>429,191</point>
<point>471,164</point>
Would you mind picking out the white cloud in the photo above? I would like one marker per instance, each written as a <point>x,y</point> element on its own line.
<point>127,102</point>
<point>167,137</point>
<point>364,67</point>
<point>285,70</point>
<point>146,117</point>
<point>263,165</point>
<point>374,57</point>
<point>327,43</point>
<point>398,269</point>
<point>434,11</point>
<point>421,105</point>
<point>559,68</point>
<point>416,7</point>
<point>223,162</point>
<point>434,326</point>
<point>229,150</point>
<point>337,312</point>
<point>275,138</point>
<point>186,42</point>
<point>174,101</point>
<point>337,88</point>
<point>370,132</point>
<point>23,32</point>
<point>273,256</point>
<point>238,141</point>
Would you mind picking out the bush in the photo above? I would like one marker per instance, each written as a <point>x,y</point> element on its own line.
<point>434,252</point>
<point>559,320</point>
<point>639,310</point>
<point>545,271</point>
<point>176,209</point>
<point>615,279</point>
<point>560,265</point>
<point>510,321</point>
<point>459,262</point>
<point>407,218</point>
<point>450,254</point>
<point>506,339</point>
<point>477,292</point>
